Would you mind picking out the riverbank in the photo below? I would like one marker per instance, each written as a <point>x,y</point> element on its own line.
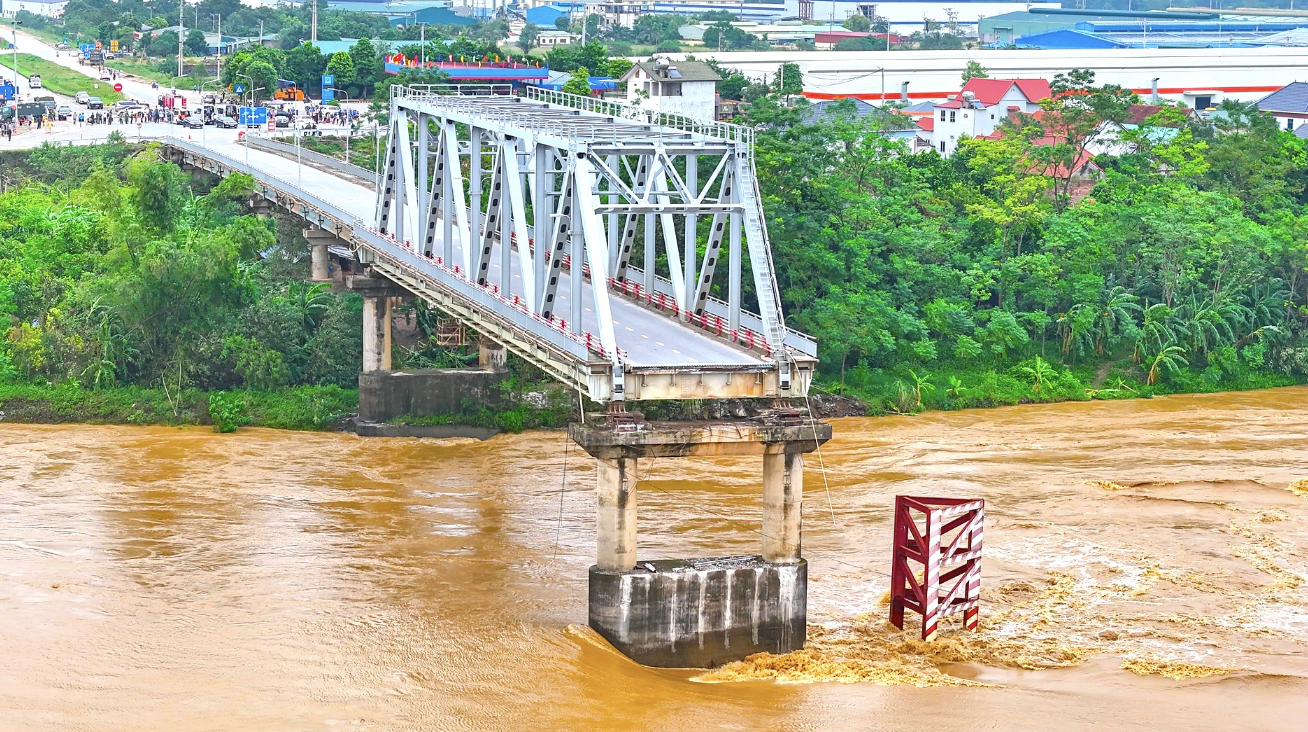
<point>295,408</point>
<point>546,406</point>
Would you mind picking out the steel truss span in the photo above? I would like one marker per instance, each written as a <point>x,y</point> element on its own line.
<point>636,212</point>
<point>534,199</point>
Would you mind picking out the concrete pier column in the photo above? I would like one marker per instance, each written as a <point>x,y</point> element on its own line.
<point>491,356</point>
<point>615,493</point>
<point>376,334</point>
<point>783,495</point>
<point>318,262</point>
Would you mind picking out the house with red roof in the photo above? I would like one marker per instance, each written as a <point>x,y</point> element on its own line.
<point>981,106</point>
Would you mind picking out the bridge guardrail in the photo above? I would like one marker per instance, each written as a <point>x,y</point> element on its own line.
<point>317,158</point>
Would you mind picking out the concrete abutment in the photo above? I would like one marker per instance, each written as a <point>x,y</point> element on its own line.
<point>700,612</point>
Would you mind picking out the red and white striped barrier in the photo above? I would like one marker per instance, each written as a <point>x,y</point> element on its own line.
<point>947,547</point>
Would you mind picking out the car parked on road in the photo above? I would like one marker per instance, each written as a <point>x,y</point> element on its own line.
<point>194,123</point>
<point>34,81</point>
<point>82,97</point>
<point>225,122</point>
<point>94,103</point>
<point>64,112</point>
<point>104,76</point>
<point>282,120</point>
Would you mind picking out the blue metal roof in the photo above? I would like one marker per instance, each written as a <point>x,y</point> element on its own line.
<point>1066,38</point>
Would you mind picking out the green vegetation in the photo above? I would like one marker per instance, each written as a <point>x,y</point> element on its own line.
<point>1011,272</point>
<point>297,408</point>
<point>132,292</point>
<point>61,79</point>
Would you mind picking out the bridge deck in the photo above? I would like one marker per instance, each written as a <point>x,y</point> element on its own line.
<point>646,338</point>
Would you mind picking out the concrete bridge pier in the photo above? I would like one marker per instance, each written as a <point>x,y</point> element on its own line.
<point>319,239</point>
<point>491,356</point>
<point>377,293</point>
<point>703,612</point>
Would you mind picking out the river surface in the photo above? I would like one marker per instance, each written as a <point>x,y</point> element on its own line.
<point>1145,569</point>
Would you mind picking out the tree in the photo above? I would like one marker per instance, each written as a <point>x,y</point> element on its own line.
<point>1170,358</point>
<point>974,70</point>
<point>368,65</point>
<point>651,29</point>
<point>164,44</point>
<point>304,65</point>
<point>857,23</point>
<point>789,79</point>
<point>195,44</point>
<point>264,78</point>
<point>920,385</point>
<point>341,67</point>
<point>579,82</point>
<point>527,37</point>
<point>1040,372</point>
<point>563,23</point>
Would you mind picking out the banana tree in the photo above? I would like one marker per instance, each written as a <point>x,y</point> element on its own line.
<point>1170,358</point>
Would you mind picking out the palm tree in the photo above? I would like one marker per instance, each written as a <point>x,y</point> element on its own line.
<point>1113,315</point>
<point>1155,330</point>
<point>1041,373</point>
<point>310,300</point>
<point>955,389</point>
<point>920,384</point>
<point>1170,358</point>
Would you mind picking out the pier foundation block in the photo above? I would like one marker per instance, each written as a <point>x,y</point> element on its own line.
<point>700,613</point>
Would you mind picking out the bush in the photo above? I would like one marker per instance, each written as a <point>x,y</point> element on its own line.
<point>227,411</point>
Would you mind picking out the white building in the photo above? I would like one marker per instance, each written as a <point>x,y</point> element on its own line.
<point>624,12</point>
<point>981,106</point>
<point>48,8</point>
<point>908,15</point>
<point>685,87</point>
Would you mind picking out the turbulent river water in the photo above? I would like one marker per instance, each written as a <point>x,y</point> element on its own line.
<point>1146,567</point>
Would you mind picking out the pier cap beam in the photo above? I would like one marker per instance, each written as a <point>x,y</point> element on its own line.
<point>783,432</point>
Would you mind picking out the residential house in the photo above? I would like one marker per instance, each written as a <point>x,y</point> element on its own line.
<point>1289,105</point>
<point>981,106</point>
<point>1107,138</point>
<point>687,88</point>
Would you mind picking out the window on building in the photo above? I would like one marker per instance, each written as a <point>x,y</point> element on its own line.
<point>952,113</point>
<point>672,89</point>
<point>1289,125</point>
<point>942,146</point>
<point>942,115</point>
<point>992,116</point>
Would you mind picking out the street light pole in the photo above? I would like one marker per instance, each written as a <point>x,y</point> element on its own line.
<point>181,34</point>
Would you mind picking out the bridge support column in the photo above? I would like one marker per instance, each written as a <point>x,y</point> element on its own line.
<point>783,495</point>
<point>700,613</point>
<point>491,356</point>
<point>319,239</point>
<point>615,497</point>
<point>377,293</point>
<point>376,333</point>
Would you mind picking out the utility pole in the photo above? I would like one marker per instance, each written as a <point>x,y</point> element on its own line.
<point>17,23</point>
<point>181,34</point>
<point>220,45</point>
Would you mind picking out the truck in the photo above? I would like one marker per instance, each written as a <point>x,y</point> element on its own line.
<point>287,91</point>
<point>34,81</point>
<point>96,58</point>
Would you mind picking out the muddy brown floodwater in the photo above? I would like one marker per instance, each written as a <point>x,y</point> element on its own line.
<point>1146,567</point>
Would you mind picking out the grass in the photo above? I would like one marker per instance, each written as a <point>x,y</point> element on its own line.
<point>61,79</point>
<point>297,408</point>
<point>149,70</point>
